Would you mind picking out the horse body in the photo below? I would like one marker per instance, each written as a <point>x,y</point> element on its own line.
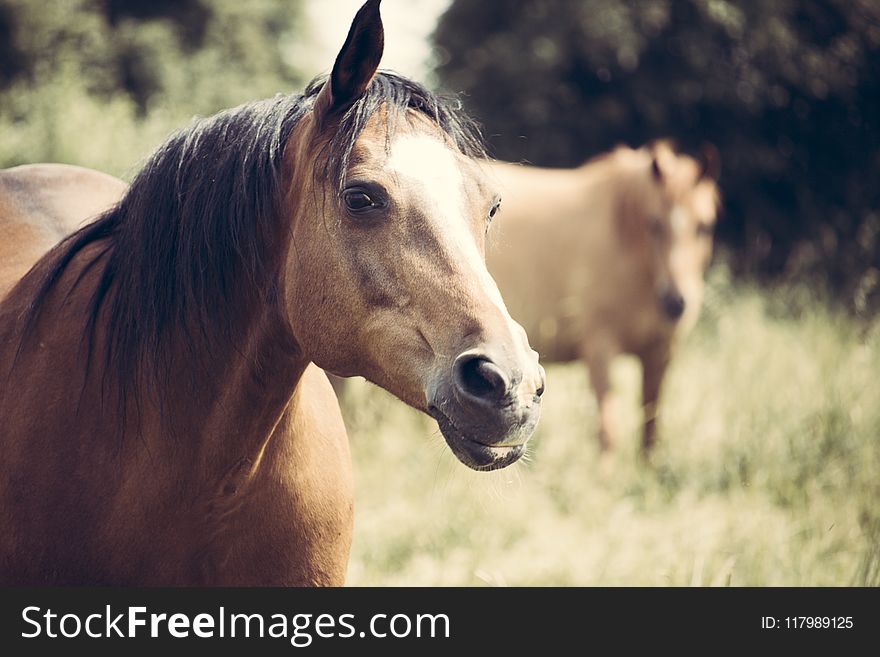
<point>617,251</point>
<point>42,203</point>
<point>253,486</point>
<point>163,419</point>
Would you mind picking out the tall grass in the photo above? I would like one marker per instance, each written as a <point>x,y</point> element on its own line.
<point>768,470</point>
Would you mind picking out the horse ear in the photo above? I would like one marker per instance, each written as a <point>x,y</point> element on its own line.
<point>710,158</point>
<point>654,150</point>
<point>655,168</point>
<point>355,64</point>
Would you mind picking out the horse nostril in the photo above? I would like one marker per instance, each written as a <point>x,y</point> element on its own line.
<point>673,305</point>
<point>481,378</point>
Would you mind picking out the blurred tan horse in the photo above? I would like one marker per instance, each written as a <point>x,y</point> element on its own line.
<point>163,420</point>
<point>607,259</point>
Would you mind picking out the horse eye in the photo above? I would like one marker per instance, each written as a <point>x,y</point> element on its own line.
<point>495,207</point>
<point>357,200</point>
<point>704,230</point>
<point>657,229</point>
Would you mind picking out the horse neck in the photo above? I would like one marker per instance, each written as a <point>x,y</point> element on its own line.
<point>231,401</point>
<point>210,394</point>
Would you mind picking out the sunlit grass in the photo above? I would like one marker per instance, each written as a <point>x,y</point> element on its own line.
<point>768,471</point>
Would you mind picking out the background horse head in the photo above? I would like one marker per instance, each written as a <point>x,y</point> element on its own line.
<point>344,227</point>
<point>667,218</point>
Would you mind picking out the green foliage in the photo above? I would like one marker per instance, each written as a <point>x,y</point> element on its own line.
<point>767,471</point>
<point>101,83</point>
<point>788,91</point>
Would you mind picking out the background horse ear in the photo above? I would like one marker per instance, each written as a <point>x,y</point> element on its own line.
<point>356,63</point>
<point>710,158</point>
<point>654,149</point>
<point>655,168</point>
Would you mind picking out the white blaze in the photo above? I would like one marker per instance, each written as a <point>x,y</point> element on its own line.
<point>426,164</point>
<point>678,219</point>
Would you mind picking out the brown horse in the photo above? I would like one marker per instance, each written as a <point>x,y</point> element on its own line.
<point>616,252</point>
<point>42,203</point>
<point>162,418</point>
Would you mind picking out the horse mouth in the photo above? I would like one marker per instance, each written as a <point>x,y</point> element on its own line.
<point>473,453</point>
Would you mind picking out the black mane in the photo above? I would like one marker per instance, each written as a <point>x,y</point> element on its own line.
<point>189,240</point>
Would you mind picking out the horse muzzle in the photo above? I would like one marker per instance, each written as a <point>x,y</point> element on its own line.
<point>673,305</point>
<point>486,408</point>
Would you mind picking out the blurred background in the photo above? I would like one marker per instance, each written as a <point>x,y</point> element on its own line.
<point>769,466</point>
<point>789,92</point>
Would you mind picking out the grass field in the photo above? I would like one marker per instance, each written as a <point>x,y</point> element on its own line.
<point>768,470</point>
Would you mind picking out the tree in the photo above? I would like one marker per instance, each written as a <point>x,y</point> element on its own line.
<point>101,82</point>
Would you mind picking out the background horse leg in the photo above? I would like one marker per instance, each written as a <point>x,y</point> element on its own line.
<point>654,363</point>
<point>598,355</point>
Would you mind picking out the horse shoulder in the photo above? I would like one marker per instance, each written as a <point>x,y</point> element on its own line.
<point>306,494</point>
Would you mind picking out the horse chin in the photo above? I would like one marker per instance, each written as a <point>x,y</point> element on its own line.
<point>473,453</point>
